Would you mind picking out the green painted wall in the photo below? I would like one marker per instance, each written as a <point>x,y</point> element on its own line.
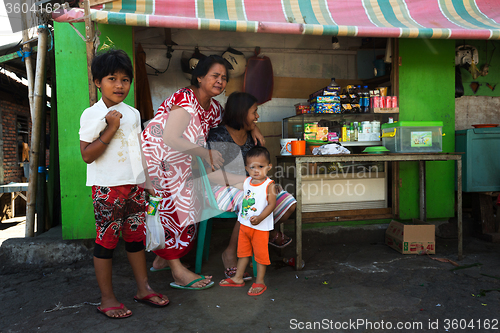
<point>72,98</point>
<point>427,92</point>
<point>489,52</point>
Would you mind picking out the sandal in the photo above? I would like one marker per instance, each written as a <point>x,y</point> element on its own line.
<point>284,242</point>
<point>230,272</point>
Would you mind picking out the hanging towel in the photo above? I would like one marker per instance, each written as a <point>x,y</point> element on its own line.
<point>144,103</point>
<point>259,77</point>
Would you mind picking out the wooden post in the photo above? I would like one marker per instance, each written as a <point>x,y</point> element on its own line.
<point>89,35</point>
<point>27,61</point>
<point>39,104</point>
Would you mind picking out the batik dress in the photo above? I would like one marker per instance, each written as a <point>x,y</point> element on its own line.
<point>170,170</point>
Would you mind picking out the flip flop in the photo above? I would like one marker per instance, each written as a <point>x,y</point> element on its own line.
<point>230,272</point>
<point>152,269</point>
<point>257,285</point>
<point>147,300</point>
<point>231,283</point>
<point>103,311</point>
<point>188,286</point>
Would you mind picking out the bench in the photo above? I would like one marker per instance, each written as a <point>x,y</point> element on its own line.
<point>15,190</point>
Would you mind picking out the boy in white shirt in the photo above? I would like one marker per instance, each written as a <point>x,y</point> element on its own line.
<point>256,220</point>
<point>109,144</point>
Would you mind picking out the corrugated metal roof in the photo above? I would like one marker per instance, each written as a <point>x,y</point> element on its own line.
<point>455,19</point>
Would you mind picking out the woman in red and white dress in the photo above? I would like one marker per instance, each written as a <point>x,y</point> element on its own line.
<point>176,134</point>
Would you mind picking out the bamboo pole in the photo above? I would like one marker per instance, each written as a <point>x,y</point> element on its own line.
<point>37,123</point>
<point>89,33</point>
<point>27,60</point>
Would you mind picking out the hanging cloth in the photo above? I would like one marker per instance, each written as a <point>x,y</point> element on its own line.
<point>259,77</point>
<point>144,103</point>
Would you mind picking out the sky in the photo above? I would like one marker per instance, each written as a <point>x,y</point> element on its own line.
<point>6,35</point>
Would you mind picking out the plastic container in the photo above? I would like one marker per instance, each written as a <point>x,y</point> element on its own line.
<point>413,136</point>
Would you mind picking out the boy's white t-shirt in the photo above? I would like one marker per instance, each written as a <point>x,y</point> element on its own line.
<point>121,162</point>
<point>253,203</point>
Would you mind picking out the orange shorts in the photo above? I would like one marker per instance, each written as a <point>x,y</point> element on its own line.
<point>256,242</point>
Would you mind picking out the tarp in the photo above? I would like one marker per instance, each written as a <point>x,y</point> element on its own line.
<point>455,19</point>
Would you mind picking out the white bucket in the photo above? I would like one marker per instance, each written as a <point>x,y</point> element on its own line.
<point>286,147</point>
<point>375,126</point>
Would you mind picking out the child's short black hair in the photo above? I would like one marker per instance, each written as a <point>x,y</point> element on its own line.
<point>258,151</point>
<point>236,110</point>
<point>109,62</point>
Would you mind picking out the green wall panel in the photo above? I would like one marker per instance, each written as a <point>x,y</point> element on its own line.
<point>72,98</point>
<point>427,92</point>
<point>487,53</point>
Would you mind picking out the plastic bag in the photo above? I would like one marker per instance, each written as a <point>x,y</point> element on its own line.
<point>155,235</point>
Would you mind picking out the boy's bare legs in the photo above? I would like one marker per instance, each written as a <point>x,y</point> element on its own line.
<point>183,276</point>
<point>138,262</point>
<point>104,275</point>
<point>229,258</point>
<point>261,273</point>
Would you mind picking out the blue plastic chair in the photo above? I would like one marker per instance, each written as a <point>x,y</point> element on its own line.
<point>210,211</point>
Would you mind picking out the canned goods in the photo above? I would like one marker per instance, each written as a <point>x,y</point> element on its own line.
<point>376,102</point>
<point>394,101</point>
<point>383,102</point>
<point>388,101</point>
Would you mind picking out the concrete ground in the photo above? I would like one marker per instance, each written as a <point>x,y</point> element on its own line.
<point>351,282</point>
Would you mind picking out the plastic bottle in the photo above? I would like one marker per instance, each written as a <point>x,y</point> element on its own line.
<point>344,133</point>
<point>356,131</point>
<point>365,100</point>
<point>351,132</point>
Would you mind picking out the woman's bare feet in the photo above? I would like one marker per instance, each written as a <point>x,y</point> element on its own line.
<point>160,264</point>
<point>229,258</point>
<point>183,276</point>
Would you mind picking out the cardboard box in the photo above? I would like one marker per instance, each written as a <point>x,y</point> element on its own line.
<point>411,238</point>
<point>385,110</point>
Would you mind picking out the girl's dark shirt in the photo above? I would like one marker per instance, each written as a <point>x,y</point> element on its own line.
<point>233,154</point>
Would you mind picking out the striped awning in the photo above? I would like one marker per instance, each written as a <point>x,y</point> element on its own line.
<point>455,19</point>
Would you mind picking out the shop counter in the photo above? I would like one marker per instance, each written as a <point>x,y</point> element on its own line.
<point>304,162</point>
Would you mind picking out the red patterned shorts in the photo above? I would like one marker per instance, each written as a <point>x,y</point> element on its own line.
<point>119,209</point>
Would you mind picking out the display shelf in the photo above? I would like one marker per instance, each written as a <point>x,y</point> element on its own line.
<point>292,127</point>
<point>360,143</point>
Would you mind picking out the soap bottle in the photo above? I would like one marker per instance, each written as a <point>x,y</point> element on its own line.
<point>351,132</point>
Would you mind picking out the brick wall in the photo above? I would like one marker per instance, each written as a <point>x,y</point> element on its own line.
<point>12,169</point>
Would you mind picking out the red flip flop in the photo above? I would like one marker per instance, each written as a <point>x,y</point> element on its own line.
<point>257,285</point>
<point>231,283</point>
<point>147,300</point>
<point>103,311</point>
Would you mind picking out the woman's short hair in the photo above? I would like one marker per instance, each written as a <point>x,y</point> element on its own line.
<point>236,110</point>
<point>109,62</point>
<point>204,66</point>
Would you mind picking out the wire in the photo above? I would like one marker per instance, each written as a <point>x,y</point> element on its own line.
<point>157,72</point>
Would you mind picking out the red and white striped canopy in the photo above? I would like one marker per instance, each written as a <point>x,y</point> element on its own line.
<point>455,19</point>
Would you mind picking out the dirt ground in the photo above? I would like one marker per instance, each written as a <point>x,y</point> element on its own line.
<point>361,286</point>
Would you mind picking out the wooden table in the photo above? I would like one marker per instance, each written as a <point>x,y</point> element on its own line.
<point>421,158</point>
<point>15,190</point>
